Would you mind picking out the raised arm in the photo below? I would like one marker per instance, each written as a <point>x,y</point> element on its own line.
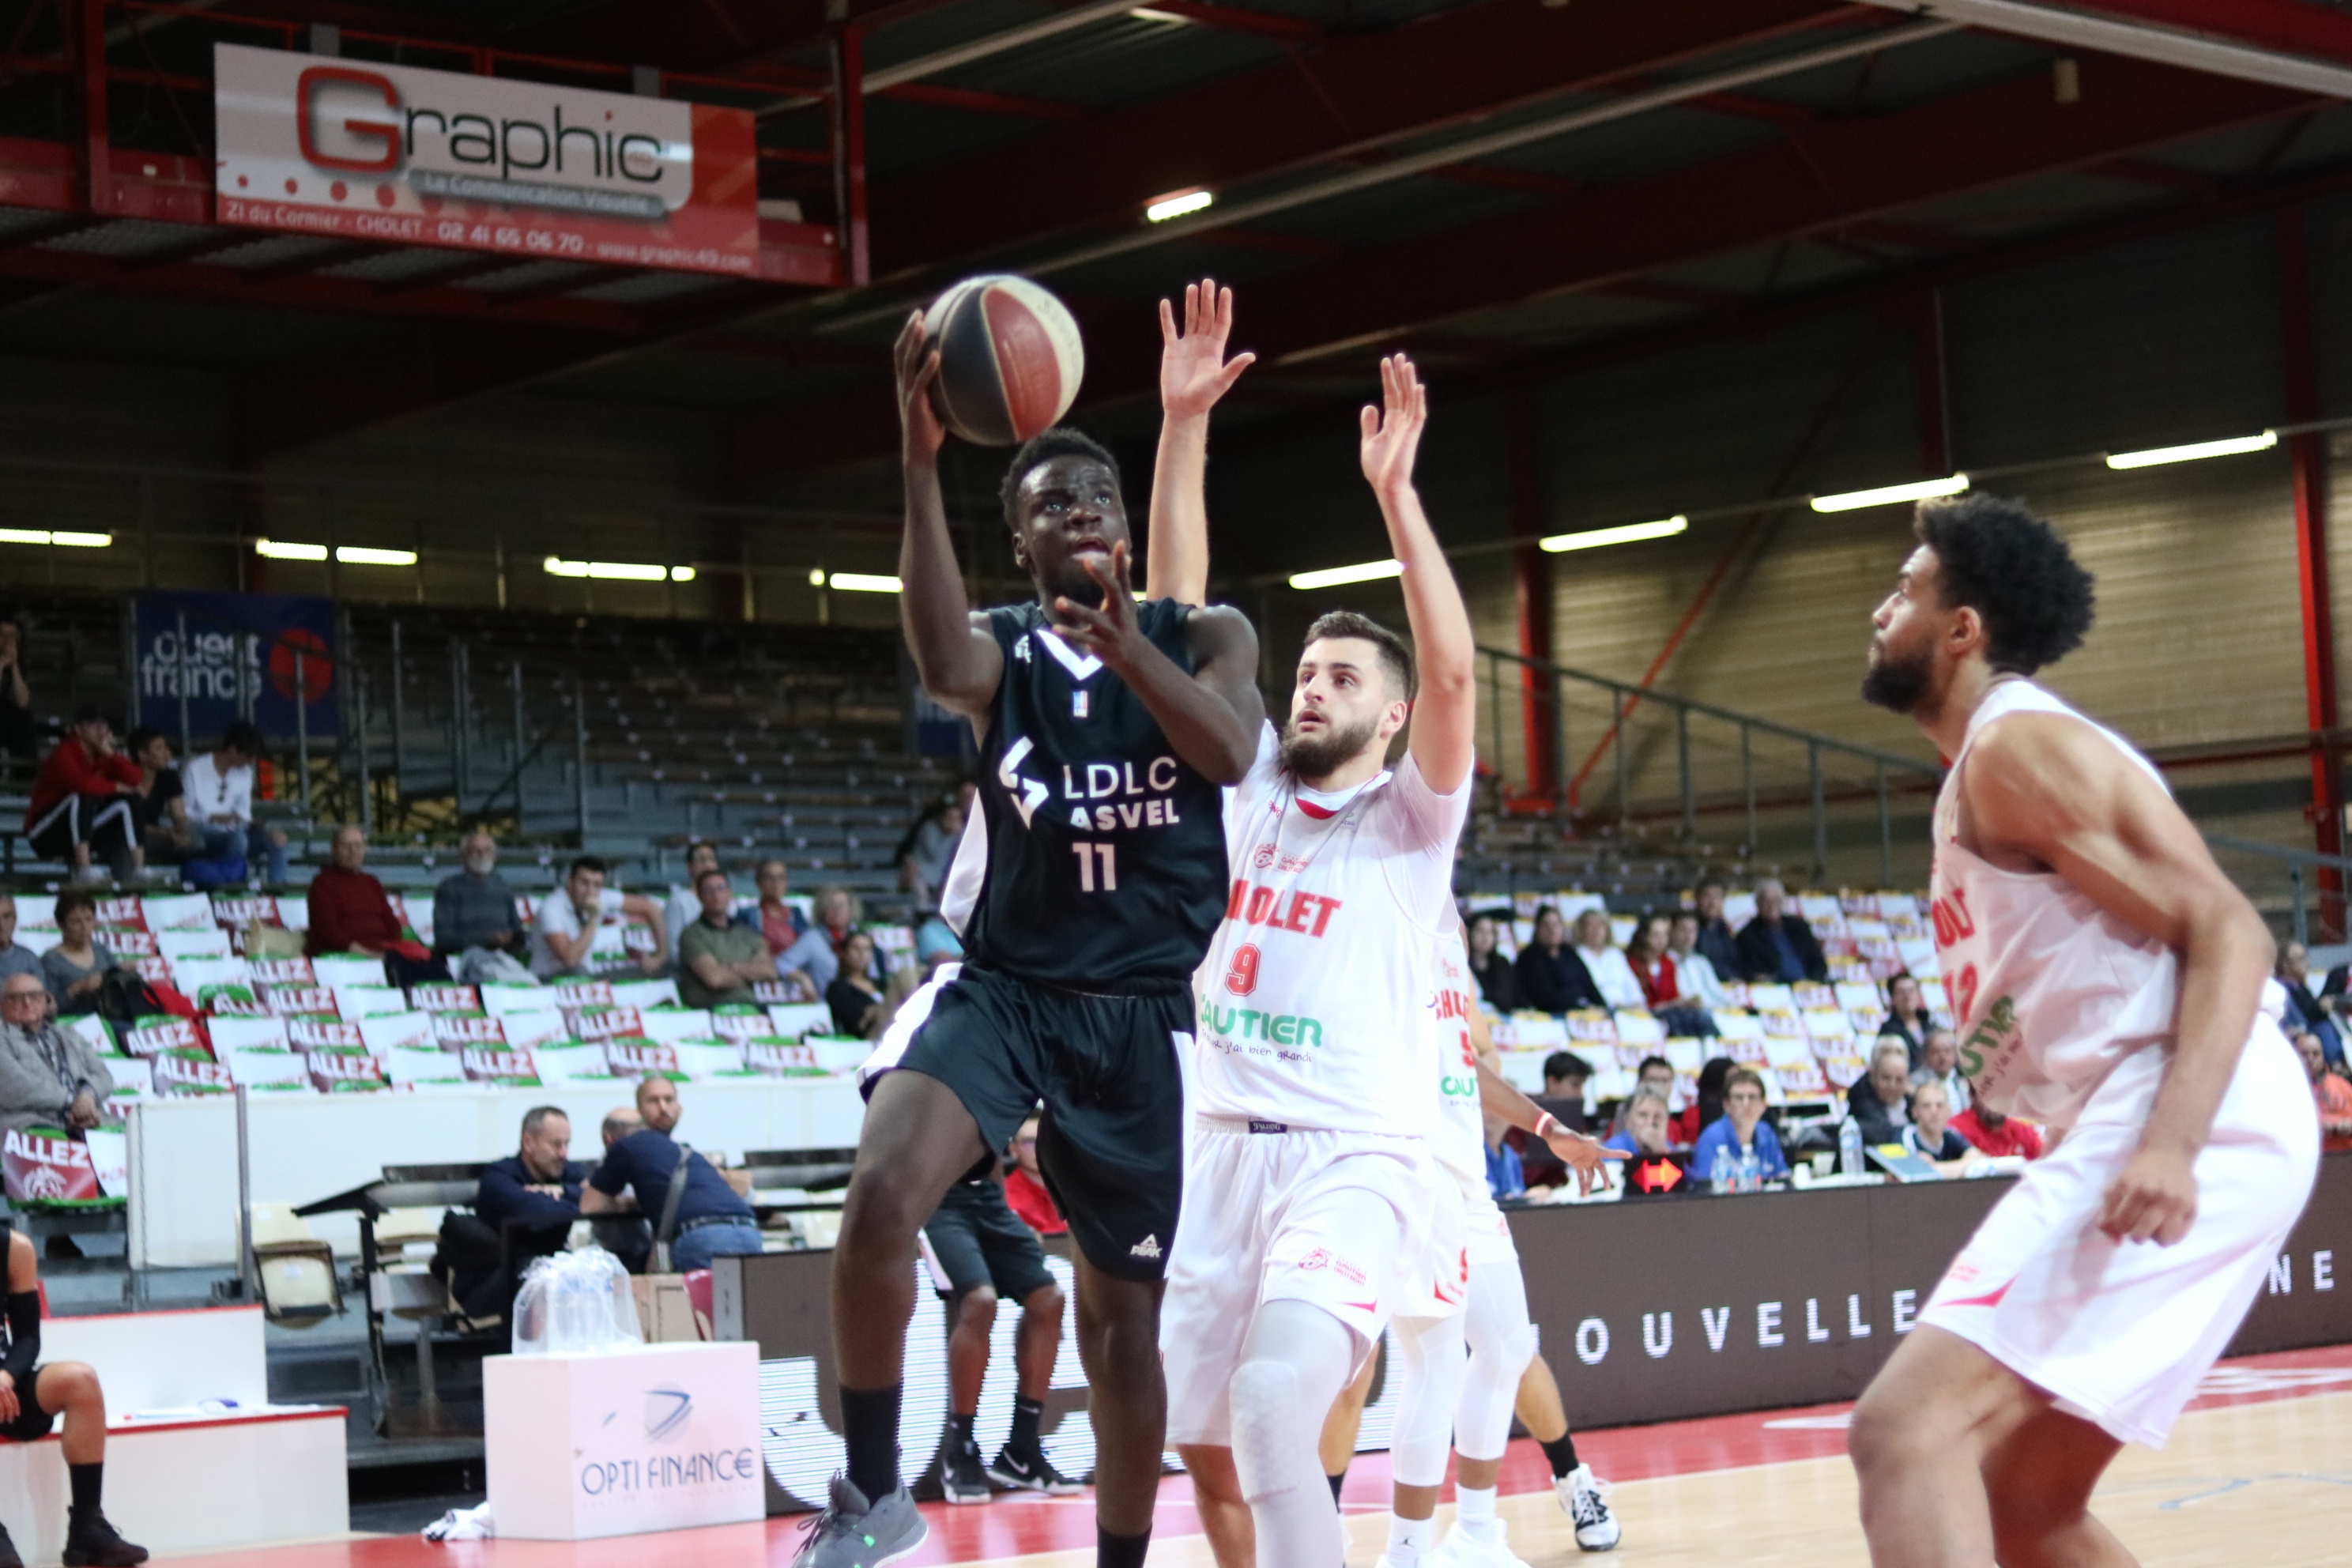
<point>1444,715</point>
<point>1193,374</point>
<point>2049,790</point>
<point>955,655</point>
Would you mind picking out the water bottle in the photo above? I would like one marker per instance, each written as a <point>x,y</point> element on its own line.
<point>1751,1170</point>
<point>1850,1147</point>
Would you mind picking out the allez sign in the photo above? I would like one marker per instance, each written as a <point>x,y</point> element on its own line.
<point>424,157</point>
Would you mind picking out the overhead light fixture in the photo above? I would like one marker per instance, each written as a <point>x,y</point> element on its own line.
<point>1887,495</point>
<point>1627,533</point>
<point>66,537</point>
<point>279,549</point>
<point>816,576</point>
<point>1332,576</point>
<point>2156,456</point>
<point>1176,203</point>
<point>617,571</point>
<point>349,554</point>
<point>1153,14</point>
<point>864,583</point>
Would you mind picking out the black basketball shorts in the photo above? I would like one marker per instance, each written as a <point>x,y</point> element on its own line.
<point>976,1239</point>
<point>32,1423</point>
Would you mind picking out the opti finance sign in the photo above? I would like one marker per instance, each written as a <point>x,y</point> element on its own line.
<point>403,156</point>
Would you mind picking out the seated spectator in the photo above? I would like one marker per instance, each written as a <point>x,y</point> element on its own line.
<point>1024,1186</point>
<point>621,1230</point>
<point>350,912</point>
<point>1565,1074</point>
<point>717,961</point>
<point>710,1216</point>
<point>20,737</point>
<point>1552,978</point>
<point>474,918</point>
<point>75,971</point>
<point>531,1199</point>
<point>1715,942</point>
<point>85,802</point>
<point>1906,1019</point>
<point>1707,1106</point>
<point>16,958</point>
<point>1505,1176</point>
<point>1645,1129</point>
<point>48,1076</point>
<point>2330,1095</point>
<point>684,905</point>
<point>817,953</point>
<point>779,924</point>
<point>569,919</point>
<point>2304,1009</point>
<point>1940,1060</point>
<point>1695,973</point>
<point>856,1000</point>
<point>1930,1134</point>
<point>1992,1134</point>
<point>1655,1076</point>
<point>1879,1100</point>
<point>1497,982</point>
<point>1611,975</point>
<point>1740,1132</point>
<point>1778,945</point>
<point>1665,991</point>
<point>33,1395</point>
<point>928,847</point>
<point>162,808</point>
<point>220,786</point>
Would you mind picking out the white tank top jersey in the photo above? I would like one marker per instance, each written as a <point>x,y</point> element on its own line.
<point>2051,993</point>
<point>1457,1134</point>
<point>1312,997</point>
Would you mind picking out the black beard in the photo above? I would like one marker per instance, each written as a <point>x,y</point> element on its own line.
<point>1895,687</point>
<point>1316,757</point>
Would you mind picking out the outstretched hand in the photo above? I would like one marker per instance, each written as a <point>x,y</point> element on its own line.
<point>1393,432</point>
<point>1194,370</point>
<point>917,368</point>
<point>1111,633</point>
<point>1584,1155</point>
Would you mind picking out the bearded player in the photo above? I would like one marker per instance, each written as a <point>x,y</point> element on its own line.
<point>1106,730</point>
<point>2109,982</point>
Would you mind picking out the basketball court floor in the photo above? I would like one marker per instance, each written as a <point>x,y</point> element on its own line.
<point>2258,1472</point>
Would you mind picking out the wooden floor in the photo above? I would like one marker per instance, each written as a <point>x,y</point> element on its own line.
<point>2258,1475</point>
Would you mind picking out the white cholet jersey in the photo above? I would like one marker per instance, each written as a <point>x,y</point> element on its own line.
<point>2051,993</point>
<point>1312,997</point>
<point>1457,1134</point>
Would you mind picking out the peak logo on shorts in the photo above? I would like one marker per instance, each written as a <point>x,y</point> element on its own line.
<point>1149,1247</point>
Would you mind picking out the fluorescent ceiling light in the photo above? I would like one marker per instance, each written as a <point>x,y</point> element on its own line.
<point>816,576</point>
<point>1332,576</point>
<point>864,583</point>
<point>1177,205</point>
<point>58,536</point>
<point>1153,14</point>
<point>279,549</point>
<point>1594,538</point>
<point>363,556</point>
<point>1887,494</point>
<point>617,571</point>
<point>2194,450</point>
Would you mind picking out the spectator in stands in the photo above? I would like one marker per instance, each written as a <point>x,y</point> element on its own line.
<point>85,802</point>
<point>474,918</point>
<point>684,905</point>
<point>1778,945</point>
<point>2305,1010</point>
<point>779,924</point>
<point>709,1219</point>
<point>1565,1075</point>
<point>531,1199</point>
<point>718,962</point>
<point>20,737</point>
<point>1940,1063</point>
<point>1694,971</point>
<point>1024,1186</point>
<point>856,1002</point>
<point>1715,942</point>
<point>2329,1094</point>
<point>48,1076</point>
<point>1497,982</point>
<point>33,1395</point>
<point>162,809</point>
<point>1995,1135</point>
<point>1505,1176</point>
<point>928,849</point>
<point>1741,1133</point>
<point>220,790</point>
<point>1646,1129</point>
<point>817,954</point>
<point>16,958</point>
<point>1930,1134</point>
<point>1664,989</point>
<point>1907,1019</point>
<point>1880,1099</point>
<point>76,968</point>
<point>1611,975</point>
<point>1705,1107</point>
<point>350,912</point>
<point>1552,978</point>
<point>568,918</point>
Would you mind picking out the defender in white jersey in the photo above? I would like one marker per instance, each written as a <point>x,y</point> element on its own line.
<point>2110,981</point>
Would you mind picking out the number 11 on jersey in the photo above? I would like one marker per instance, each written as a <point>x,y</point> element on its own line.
<point>1089,855</point>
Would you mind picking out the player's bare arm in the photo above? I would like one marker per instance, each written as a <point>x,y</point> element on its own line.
<point>1212,716</point>
<point>1193,376</point>
<point>956,657</point>
<point>2039,791</point>
<point>1444,716</point>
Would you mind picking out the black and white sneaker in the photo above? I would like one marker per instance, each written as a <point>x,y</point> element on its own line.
<point>853,1533</point>
<point>1579,1495</point>
<point>962,1477</point>
<point>1031,1472</point>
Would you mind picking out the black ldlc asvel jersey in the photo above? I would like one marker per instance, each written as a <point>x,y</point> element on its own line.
<point>1105,867</point>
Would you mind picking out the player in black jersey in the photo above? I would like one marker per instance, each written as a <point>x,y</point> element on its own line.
<point>1108,730</point>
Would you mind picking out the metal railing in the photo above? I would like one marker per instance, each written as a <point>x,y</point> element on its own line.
<point>2298,866</point>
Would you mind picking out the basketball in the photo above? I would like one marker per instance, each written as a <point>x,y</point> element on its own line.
<point>1010,359</point>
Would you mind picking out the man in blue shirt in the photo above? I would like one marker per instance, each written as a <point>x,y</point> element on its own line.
<point>530,1200</point>
<point>712,1217</point>
<point>1740,1131</point>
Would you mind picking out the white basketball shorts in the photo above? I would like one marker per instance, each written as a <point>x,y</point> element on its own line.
<point>1466,1231</point>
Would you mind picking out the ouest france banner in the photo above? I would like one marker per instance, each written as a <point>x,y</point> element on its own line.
<point>399,155</point>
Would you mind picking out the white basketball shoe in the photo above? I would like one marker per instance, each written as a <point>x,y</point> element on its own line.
<point>1580,1494</point>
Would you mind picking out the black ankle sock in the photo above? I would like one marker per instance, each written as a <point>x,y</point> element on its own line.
<point>1026,1414</point>
<point>1561,1452</point>
<point>89,1483</point>
<point>960,1429</point>
<point>1120,1550</point>
<point>1336,1482</point>
<point>870,1425</point>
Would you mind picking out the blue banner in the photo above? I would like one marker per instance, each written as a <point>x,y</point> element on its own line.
<point>236,640</point>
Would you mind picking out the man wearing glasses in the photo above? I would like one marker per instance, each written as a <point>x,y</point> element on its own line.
<point>1740,1143</point>
<point>49,1077</point>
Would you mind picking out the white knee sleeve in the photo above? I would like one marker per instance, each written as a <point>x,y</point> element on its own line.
<point>1502,1342</point>
<point>1297,1361</point>
<point>1432,1360</point>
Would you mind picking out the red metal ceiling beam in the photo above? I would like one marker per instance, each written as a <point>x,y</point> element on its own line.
<point>1355,94</point>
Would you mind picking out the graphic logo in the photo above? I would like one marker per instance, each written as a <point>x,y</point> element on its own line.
<point>1319,1259</point>
<point>667,1412</point>
<point>1148,1248</point>
<point>1027,794</point>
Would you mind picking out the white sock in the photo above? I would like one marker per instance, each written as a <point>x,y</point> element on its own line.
<point>1408,1539</point>
<point>1474,1512</point>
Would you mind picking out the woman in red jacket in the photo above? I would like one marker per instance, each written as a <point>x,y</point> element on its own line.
<point>82,801</point>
